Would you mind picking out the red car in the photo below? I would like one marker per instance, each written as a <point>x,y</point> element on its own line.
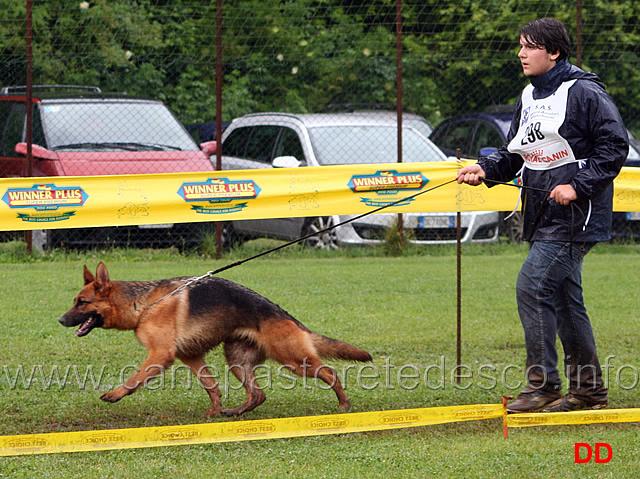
<point>80,131</point>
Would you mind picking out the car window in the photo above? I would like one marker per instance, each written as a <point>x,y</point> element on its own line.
<point>12,116</point>
<point>261,143</point>
<point>236,143</point>
<point>457,136</point>
<point>93,123</point>
<point>289,145</point>
<point>38,133</point>
<point>338,145</point>
<point>486,135</point>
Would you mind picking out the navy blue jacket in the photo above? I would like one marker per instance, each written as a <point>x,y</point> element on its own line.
<point>595,131</point>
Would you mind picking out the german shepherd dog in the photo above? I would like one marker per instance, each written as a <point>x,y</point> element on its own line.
<point>185,319</point>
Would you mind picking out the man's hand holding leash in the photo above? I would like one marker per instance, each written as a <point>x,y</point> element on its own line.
<point>563,194</point>
<point>474,175</point>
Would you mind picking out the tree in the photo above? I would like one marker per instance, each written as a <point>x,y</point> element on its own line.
<point>301,55</point>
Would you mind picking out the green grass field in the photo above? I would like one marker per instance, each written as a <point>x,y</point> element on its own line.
<point>401,309</point>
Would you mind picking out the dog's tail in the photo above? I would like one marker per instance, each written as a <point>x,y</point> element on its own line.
<point>334,349</point>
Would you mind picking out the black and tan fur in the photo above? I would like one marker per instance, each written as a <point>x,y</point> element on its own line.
<point>197,318</point>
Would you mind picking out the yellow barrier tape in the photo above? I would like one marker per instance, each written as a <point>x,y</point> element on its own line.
<point>574,417</point>
<point>232,431</point>
<point>279,428</point>
<point>84,201</point>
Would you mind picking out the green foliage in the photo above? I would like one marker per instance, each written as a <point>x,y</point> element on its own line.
<point>397,240</point>
<point>303,55</point>
<point>15,252</point>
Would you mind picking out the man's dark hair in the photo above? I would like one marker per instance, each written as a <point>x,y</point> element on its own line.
<point>548,33</point>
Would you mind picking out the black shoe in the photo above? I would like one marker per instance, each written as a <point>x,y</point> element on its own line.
<point>573,403</point>
<point>533,400</point>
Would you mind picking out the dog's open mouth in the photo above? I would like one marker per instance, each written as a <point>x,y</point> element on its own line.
<point>86,327</point>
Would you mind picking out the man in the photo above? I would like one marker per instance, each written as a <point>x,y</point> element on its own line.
<point>569,142</point>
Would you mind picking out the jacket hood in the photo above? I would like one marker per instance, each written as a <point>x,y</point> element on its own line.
<point>544,85</point>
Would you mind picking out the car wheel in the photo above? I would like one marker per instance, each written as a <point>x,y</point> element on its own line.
<point>325,240</point>
<point>513,227</point>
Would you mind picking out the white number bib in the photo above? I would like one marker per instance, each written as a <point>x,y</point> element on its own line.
<point>538,140</point>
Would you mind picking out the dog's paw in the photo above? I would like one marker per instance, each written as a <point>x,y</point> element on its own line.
<point>112,396</point>
<point>232,412</point>
<point>213,412</point>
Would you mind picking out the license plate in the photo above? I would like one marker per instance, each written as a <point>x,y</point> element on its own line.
<point>633,215</point>
<point>436,222</point>
<point>159,226</point>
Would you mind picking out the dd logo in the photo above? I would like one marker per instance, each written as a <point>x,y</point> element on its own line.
<point>589,452</point>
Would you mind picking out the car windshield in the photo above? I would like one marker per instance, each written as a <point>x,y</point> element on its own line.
<point>422,126</point>
<point>115,126</point>
<point>339,145</point>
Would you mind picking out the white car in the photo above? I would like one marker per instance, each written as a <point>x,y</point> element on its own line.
<point>268,140</point>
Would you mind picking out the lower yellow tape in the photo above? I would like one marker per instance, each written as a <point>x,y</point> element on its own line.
<point>241,430</point>
<point>574,417</point>
<point>233,431</point>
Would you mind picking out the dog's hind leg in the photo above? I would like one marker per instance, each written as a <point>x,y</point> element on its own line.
<point>312,367</point>
<point>293,346</point>
<point>199,368</point>
<point>243,356</point>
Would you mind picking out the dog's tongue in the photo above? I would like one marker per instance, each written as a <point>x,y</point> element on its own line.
<point>86,327</point>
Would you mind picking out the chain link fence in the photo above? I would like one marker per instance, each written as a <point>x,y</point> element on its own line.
<point>141,87</point>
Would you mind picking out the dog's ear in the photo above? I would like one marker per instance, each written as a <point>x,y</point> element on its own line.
<point>102,278</point>
<point>88,276</point>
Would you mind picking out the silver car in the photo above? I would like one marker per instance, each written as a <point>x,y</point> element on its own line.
<point>268,140</point>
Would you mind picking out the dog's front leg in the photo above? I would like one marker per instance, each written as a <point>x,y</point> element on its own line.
<point>154,366</point>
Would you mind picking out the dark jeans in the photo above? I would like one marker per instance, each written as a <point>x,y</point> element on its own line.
<point>550,302</point>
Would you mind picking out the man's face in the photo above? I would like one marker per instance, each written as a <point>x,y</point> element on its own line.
<point>535,59</point>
